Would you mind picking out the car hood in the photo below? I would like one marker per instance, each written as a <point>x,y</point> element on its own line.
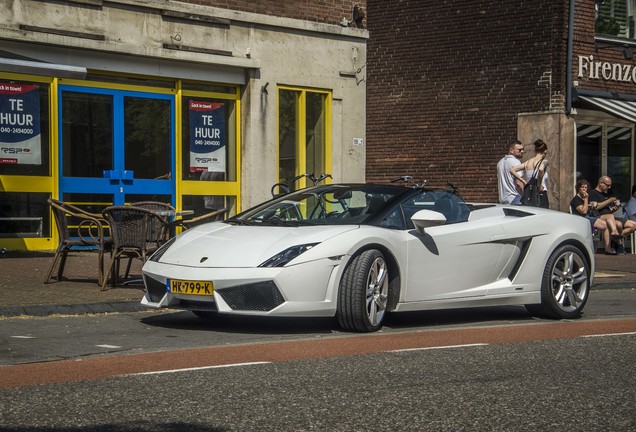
<point>224,245</point>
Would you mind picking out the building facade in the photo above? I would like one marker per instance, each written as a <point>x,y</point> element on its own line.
<point>451,84</point>
<point>202,104</point>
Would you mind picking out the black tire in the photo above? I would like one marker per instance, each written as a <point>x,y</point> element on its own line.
<point>565,285</point>
<point>364,293</point>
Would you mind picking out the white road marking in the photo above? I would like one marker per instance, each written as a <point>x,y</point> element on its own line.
<point>23,337</point>
<point>438,347</point>
<point>108,346</point>
<point>610,334</point>
<point>200,368</point>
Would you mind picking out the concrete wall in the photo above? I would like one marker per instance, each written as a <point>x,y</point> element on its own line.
<point>193,41</point>
<point>305,60</point>
<point>558,131</point>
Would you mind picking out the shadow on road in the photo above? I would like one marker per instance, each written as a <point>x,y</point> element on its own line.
<point>183,320</point>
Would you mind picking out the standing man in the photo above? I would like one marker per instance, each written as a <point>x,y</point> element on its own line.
<point>510,188</point>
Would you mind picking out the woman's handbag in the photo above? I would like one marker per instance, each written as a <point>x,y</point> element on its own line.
<point>531,194</point>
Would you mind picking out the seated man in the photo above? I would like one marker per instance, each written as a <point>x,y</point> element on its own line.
<point>606,205</point>
<point>580,206</point>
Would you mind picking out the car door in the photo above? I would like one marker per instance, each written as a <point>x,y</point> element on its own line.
<point>458,259</point>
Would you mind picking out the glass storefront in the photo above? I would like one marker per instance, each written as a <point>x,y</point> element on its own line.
<point>112,140</point>
<point>604,148</point>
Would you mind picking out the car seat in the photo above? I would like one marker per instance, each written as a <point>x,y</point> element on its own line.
<point>448,208</point>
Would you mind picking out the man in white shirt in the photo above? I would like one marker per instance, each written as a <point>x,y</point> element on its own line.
<point>510,188</point>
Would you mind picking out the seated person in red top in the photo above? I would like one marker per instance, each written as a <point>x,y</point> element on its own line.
<point>606,205</point>
<point>580,206</point>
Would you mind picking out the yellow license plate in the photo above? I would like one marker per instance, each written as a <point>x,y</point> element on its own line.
<point>178,286</point>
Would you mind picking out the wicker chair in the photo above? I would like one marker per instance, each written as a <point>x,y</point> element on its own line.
<point>159,230</point>
<point>88,235</point>
<point>130,228</point>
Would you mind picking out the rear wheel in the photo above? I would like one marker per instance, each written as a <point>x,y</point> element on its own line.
<point>364,292</point>
<point>565,284</point>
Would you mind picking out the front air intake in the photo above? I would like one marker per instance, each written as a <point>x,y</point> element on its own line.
<point>260,296</point>
<point>156,289</point>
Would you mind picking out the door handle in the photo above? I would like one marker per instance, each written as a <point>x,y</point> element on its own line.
<point>112,174</point>
<point>119,175</point>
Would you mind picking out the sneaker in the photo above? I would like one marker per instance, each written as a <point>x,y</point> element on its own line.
<point>610,252</point>
<point>620,249</point>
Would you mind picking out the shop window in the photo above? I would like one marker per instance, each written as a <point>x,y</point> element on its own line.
<point>208,139</point>
<point>605,149</point>
<point>87,134</point>
<point>615,18</point>
<point>303,144</point>
<point>148,138</point>
<point>24,128</point>
<point>202,204</point>
<point>24,215</point>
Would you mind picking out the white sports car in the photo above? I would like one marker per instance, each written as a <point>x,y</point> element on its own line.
<point>358,251</point>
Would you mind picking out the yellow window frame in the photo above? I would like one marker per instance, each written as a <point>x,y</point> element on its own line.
<point>301,130</point>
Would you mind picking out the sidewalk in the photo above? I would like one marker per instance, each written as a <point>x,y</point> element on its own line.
<point>23,292</point>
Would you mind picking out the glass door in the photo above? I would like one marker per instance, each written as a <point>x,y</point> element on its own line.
<point>606,149</point>
<point>116,146</point>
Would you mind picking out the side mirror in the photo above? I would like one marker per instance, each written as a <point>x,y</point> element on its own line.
<point>427,218</point>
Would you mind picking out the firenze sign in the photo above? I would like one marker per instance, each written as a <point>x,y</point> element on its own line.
<point>20,138</point>
<point>597,69</point>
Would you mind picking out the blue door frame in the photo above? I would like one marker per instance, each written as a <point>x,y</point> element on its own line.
<point>118,181</point>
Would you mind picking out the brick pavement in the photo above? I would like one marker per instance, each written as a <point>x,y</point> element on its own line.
<point>23,292</point>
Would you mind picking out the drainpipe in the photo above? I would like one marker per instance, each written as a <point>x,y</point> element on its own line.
<point>568,80</point>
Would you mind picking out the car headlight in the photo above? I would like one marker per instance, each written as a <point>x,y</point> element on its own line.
<point>282,258</point>
<point>162,250</point>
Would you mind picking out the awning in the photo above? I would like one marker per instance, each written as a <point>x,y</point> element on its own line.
<point>619,108</point>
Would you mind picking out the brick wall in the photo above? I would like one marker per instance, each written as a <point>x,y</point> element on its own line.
<point>584,44</point>
<point>446,80</point>
<point>323,11</point>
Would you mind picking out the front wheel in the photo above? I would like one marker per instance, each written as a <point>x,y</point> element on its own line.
<point>565,285</point>
<point>364,292</point>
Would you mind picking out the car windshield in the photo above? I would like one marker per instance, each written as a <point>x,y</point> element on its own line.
<point>322,205</point>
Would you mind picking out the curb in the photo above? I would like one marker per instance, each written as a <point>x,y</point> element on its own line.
<point>614,285</point>
<point>72,309</point>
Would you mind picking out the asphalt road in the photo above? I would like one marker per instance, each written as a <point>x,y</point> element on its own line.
<point>495,369</point>
<point>38,339</point>
<point>582,384</point>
